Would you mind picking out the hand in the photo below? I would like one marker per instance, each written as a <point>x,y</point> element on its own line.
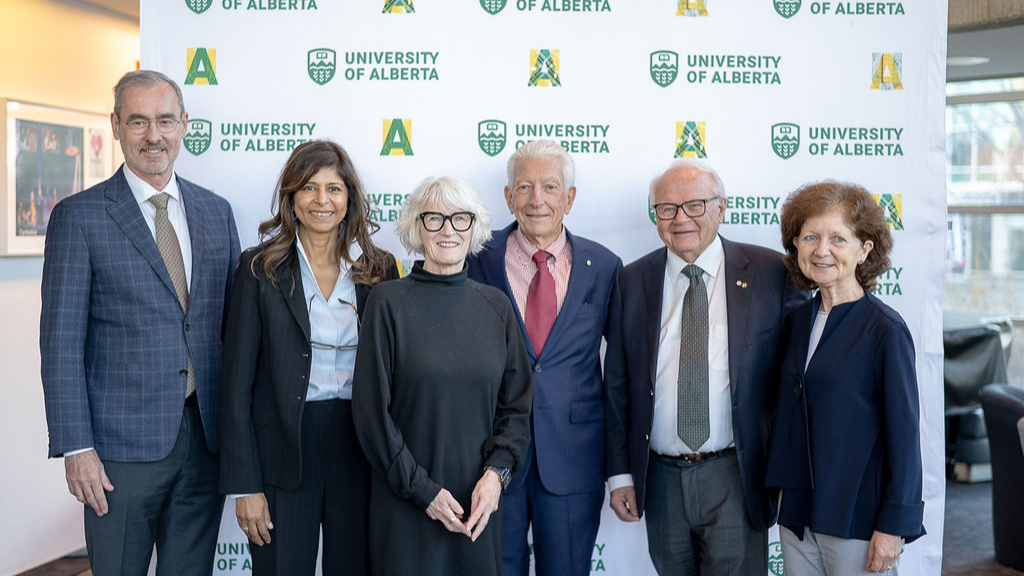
<point>253,516</point>
<point>446,510</point>
<point>883,551</point>
<point>87,480</point>
<point>623,502</point>
<point>485,502</point>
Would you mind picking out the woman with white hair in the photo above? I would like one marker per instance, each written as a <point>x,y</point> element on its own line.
<point>441,396</point>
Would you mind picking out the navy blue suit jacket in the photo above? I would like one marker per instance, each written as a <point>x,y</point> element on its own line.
<point>568,413</point>
<point>847,444</point>
<point>759,294</point>
<point>113,338</point>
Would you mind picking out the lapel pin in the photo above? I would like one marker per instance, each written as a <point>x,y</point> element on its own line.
<point>741,284</point>
<point>588,262</point>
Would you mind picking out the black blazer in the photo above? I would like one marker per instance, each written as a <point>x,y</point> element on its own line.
<point>267,357</point>
<point>759,293</point>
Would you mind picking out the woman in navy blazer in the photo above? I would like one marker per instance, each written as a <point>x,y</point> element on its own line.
<point>845,448</point>
<point>289,451</point>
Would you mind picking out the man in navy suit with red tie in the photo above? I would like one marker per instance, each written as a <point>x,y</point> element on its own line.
<point>135,277</point>
<point>560,286</point>
<point>690,377</point>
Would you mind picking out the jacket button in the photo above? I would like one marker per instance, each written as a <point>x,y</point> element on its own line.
<point>652,393</point>
<point>188,327</point>
<point>183,372</point>
<point>537,368</point>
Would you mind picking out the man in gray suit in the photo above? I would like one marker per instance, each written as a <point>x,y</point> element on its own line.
<point>135,279</point>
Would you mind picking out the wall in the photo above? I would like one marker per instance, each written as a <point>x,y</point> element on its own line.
<point>69,54</point>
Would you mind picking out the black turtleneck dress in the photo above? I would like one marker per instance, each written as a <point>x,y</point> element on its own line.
<point>442,387</point>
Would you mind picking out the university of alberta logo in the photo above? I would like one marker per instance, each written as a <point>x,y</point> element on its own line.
<point>321,64</point>
<point>198,6</point>
<point>692,8</point>
<point>787,8</point>
<point>785,139</point>
<point>544,68</point>
<point>397,137</point>
<point>198,136</point>
<point>202,66</point>
<point>492,6</point>
<point>893,206</point>
<point>690,140</point>
<point>491,135</point>
<point>398,7</point>
<point>775,559</point>
<point>664,67</point>
<point>887,70</point>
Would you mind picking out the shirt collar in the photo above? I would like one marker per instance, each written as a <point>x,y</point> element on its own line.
<point>525,250</point>
<point>710,260</point>
<point>143,191</point>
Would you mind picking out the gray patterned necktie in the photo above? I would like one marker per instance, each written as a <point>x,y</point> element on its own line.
<point>693,422</point>
<point>170,250</point>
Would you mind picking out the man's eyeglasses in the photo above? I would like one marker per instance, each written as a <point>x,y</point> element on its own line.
<point>434,221</point>
<point>693,208</point>
<point>140,126</point>
<point>321,345</point>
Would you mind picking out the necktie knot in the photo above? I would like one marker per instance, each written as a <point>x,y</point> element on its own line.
<point>692,271</point>
<point>541,257</point>
<point>159,200</point>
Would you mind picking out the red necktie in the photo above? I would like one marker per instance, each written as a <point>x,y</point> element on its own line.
<point>540,302</point>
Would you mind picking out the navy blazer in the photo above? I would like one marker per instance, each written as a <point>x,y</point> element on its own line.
<point>113,339</point>
<point>568,413</point>
<point>847,446</point>
<point>759,294</point>
<point>267,359</point>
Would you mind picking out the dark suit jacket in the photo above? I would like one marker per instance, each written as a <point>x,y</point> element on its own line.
<point>113,338</point>
<point>267,358</point>
<point>759,294</point>
<point>568,413</point>
<point>847,444</point>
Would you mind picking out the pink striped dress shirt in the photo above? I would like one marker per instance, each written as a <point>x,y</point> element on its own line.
<point>520,269</point>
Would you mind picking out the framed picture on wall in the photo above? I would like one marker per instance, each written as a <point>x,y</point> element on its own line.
<point>49,154</point>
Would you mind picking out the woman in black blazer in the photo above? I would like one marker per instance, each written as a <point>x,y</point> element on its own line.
<point>289,453</point>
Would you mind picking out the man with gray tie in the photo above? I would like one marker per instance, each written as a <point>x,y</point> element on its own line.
<point>135,278</point>
<point>687,437</point>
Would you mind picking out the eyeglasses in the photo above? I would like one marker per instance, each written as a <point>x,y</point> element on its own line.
<point>140,126</point>
<point>434,221</point>
<point>321,345</point>
<point>692,208</point>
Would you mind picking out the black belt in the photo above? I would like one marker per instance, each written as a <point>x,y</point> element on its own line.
<point>191,401</point>
<point>694,458</point>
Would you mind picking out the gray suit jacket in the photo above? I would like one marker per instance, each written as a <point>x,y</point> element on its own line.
<point>113,339</point>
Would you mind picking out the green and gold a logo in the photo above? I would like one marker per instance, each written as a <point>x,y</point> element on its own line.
<point>198,136</point>
<point>887,67</point>
<point>692,8</point>
<point>544,68</point>
<point>892,204</point>
<point>690,140</point>
<point>398,7</point>
<point>397,137</point>
<point>202,66</point>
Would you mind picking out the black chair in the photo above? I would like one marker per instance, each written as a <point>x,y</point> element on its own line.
<point>1004,407</point>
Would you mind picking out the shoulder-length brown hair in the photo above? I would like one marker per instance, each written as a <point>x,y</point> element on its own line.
<point>860,212</point>
<point>277,235</point>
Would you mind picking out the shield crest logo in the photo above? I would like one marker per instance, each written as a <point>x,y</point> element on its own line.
<point>491,135</point>
<point>198,6</point>
<point>787,8</point>
<point>321,64</point>
<point>493,6</point>
<point>785,139</point>
<point>198,136</point>
<point>664,67</point>
<point>775,559</point>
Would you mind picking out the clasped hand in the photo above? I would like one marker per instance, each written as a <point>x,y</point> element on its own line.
<point>447,510</point>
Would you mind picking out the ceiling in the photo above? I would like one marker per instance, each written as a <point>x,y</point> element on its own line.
<point>1004,47</point>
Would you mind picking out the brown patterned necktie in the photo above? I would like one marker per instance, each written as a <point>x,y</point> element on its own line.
<point>693,421</point>
<point>170,250</point>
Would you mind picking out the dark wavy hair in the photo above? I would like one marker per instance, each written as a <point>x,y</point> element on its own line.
<point>860,212</point>
<point>277,235</point>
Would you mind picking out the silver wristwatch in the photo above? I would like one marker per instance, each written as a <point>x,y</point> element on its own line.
<point>504,474</point>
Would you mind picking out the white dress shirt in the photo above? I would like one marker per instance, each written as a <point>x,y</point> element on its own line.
<point>175,213</point>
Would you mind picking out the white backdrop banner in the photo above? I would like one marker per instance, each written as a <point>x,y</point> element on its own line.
<point>773,93</point>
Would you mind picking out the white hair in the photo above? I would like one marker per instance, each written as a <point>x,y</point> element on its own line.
<point>446,194</point>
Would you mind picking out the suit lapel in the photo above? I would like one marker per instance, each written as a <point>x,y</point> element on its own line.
<point>194,211</point>
<point>739,286</point>
<point>581,276</point>
<point>125,212</point>
<point>297,300</point>
<point>653,282</point>
<point>492,266</point>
